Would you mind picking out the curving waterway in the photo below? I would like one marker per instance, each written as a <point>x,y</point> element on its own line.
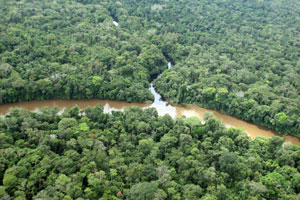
<point>162,107</point>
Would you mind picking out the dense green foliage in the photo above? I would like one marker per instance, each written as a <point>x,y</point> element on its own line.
<point>63,49</point>
<point>139,155</point>
<point>240,57</point>
<point>243,60</point>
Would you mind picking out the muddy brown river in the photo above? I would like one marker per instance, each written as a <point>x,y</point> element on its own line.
<point>162,107</point>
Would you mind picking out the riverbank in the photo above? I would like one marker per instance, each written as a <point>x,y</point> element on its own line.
<point>162,107</point>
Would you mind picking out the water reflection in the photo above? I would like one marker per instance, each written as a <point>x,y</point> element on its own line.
<point>162,107</point>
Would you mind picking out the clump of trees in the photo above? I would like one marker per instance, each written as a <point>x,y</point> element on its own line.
<point>136,154</point>
<point>71,50</point>
<point>240,57</point>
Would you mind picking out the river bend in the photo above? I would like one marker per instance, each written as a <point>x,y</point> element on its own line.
<point>162,107</point>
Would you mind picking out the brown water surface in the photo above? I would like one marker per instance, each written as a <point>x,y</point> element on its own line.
<point>174,110</point>
<point>162,107</point>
